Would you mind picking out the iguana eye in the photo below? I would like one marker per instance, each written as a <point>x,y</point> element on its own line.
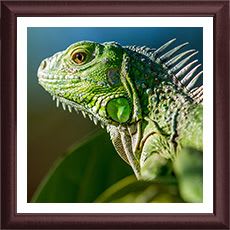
<point>79,57</point>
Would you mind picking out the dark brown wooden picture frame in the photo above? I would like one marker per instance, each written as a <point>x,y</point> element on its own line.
<point>219,10</point>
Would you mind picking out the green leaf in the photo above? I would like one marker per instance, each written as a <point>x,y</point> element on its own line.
<point>83,173</point>
<point>188,168</point>
<point>129,190</point>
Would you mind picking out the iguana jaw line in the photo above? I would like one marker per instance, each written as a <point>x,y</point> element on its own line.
<point>71,105</point>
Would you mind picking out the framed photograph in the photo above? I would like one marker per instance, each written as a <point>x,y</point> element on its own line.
<point>139,138</point>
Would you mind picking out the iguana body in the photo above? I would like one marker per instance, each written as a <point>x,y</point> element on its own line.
<point>147,99</point>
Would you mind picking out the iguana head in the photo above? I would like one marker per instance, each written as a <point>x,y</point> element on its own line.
<point>87,77</point>
<point>113,84</point>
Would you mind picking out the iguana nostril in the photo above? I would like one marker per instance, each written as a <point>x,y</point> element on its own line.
<point>43,64</point>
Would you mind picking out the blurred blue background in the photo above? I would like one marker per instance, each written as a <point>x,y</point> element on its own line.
<point>52,131</point>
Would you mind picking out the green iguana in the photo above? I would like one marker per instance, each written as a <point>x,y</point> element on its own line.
<point>147,99</point>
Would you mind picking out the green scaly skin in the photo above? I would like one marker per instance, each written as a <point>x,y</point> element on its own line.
<point>150,118</point>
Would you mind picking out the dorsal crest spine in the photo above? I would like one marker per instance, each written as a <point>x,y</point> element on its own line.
<point>183,71</point>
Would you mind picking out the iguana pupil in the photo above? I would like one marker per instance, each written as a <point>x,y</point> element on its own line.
<point>79,57</point>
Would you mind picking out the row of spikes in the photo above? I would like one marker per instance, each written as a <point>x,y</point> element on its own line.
<point>64,105</point>
<point>177,68</point>
<point>180,71</point>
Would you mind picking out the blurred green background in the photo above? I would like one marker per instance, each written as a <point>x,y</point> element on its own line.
<point>53,131</point>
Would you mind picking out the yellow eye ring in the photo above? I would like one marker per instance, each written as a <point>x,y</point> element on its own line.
<point>79,57</point>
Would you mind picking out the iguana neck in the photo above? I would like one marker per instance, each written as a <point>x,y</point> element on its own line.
<point>166,108</point>
<point>161,104</point>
